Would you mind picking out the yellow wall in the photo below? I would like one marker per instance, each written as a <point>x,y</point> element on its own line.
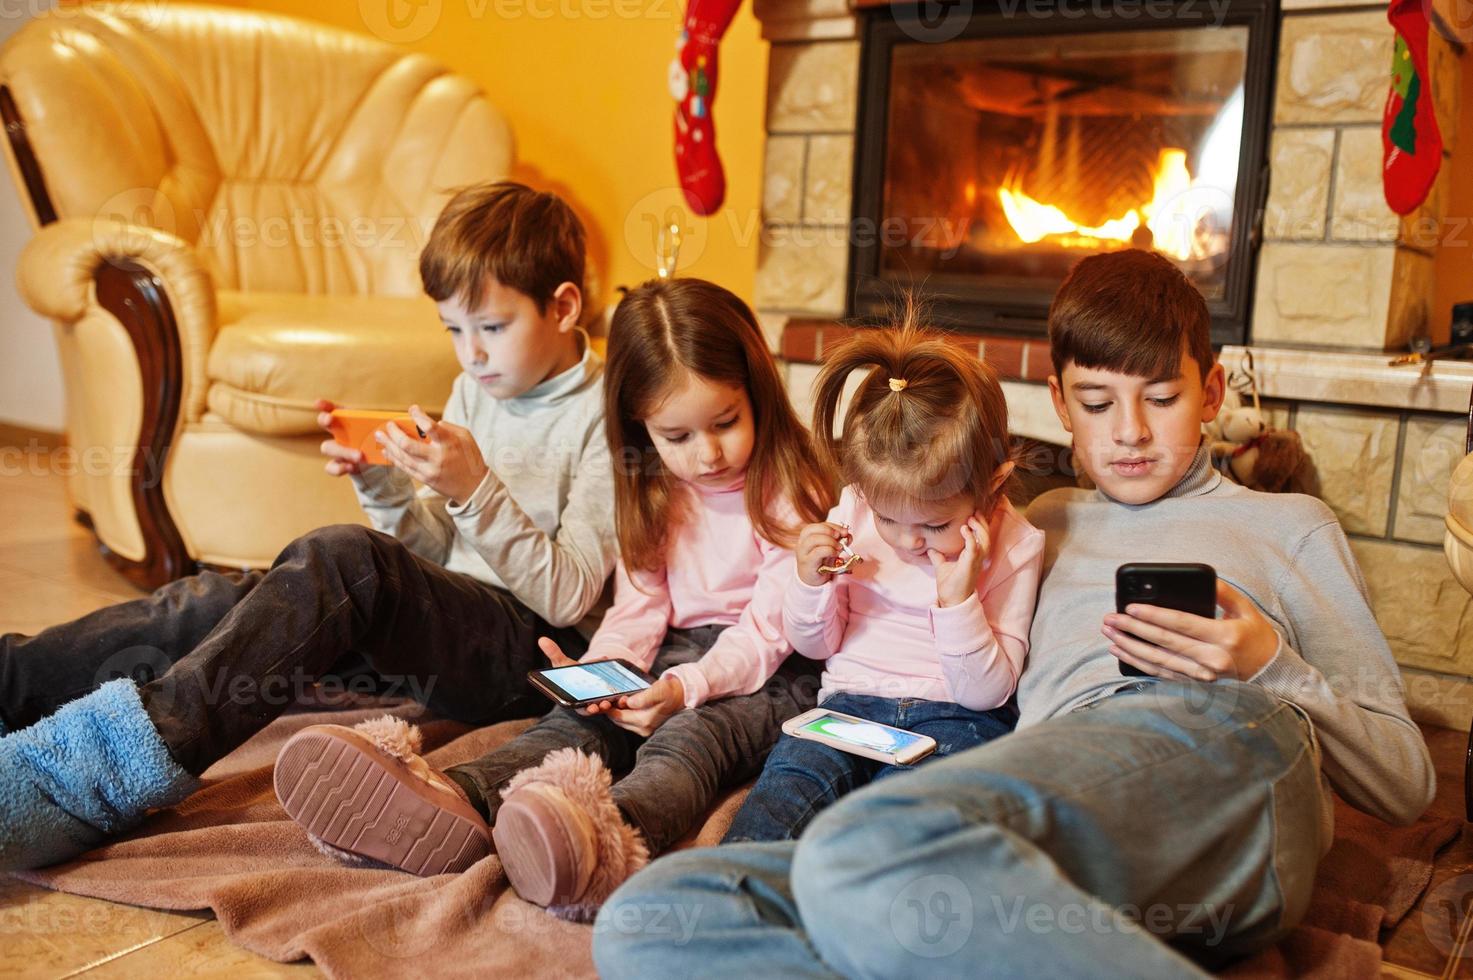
<point>584,85</point>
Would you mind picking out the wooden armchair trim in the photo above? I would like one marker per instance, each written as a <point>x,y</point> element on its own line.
<point>136,297</point>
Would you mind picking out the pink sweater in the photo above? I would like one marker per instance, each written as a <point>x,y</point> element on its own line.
<point>718,571</point>
<point>880,632</point>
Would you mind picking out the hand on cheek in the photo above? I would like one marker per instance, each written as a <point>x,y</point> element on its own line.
<point>956,578</point>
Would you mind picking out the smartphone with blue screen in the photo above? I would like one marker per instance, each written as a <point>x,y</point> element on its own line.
<point>580,684</point>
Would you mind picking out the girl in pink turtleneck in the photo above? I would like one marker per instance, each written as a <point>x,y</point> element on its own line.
<point>930,630</point>
<point>713,477</point>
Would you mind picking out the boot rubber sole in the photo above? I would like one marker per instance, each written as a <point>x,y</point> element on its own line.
<point>546,845</point>
<point>344,790</point>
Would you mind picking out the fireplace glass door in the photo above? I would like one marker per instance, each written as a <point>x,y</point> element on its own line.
<point>1005,159</point>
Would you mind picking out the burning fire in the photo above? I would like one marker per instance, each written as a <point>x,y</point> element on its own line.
<point>1173,215</point>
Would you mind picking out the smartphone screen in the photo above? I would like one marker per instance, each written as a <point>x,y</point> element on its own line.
<point>869,734</point>
<point>601,679</point>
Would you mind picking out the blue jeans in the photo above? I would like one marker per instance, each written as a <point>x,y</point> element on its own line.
<point>802,777</point>
<point>1165,827</point>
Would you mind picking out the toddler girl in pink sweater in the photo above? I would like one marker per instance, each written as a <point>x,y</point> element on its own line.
<point>713,476</point>
<point>929,630</point>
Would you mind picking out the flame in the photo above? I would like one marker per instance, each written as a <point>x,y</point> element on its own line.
<point>1170,214</point>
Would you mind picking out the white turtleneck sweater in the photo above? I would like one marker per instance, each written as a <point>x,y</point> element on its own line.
<point>541,524</point>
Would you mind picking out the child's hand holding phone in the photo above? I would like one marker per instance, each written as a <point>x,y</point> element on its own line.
<point>341,459</point>
<point>448,461</point>
<point>1177,645</point>
<point>353,444</point>
<point>644,711</point>
<point>641,712</point>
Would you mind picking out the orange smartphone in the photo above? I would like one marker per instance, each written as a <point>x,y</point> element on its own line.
<point>354,428</point>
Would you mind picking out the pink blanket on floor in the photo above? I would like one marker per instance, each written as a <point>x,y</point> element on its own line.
<point>231,849</point>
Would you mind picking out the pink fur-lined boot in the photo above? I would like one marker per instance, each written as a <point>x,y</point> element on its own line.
<point>366,797</point>
<point>562,841</point>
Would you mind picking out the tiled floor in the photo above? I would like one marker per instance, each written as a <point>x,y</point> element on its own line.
<point>50,571</point>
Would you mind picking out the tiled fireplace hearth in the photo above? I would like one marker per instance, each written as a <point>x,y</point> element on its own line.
<point>1339,280</point>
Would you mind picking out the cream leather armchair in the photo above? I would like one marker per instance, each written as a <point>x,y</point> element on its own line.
<point>229,209</point>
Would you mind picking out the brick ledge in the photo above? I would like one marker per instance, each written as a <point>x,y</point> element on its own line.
<point>1013,358</point>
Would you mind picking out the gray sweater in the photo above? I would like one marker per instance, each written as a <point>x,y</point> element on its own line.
<point>541,524</point>
<point>1284,551</point>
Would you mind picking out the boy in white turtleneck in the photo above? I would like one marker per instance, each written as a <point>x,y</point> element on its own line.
<point>508,539</point>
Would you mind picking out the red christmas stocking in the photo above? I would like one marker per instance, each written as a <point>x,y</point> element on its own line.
<point>1410,141</point>
<point>693,84</point>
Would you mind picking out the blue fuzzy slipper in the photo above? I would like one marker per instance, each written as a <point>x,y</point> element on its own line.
<point>90,771</point>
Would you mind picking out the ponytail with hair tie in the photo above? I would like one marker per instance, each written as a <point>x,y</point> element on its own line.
<point>947,437</point>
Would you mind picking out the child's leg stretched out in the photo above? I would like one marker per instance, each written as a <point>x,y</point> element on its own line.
<point>1235,785</point>
<point>485,778</point>
<point>800,779</point>
<point>803,777</point>
<point>139,639</point>
<point>351,796</point>
<point>365,792</point>
<point>566,832</point>
<point>448,641</point>
<point>97,765</point>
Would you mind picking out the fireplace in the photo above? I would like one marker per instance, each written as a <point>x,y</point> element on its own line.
<point>1337,283</point>
<point>991,161</point>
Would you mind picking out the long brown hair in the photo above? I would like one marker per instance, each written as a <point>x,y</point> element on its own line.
<point>661,331</point>
<point>928,422</point>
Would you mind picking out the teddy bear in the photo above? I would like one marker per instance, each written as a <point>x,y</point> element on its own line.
<point>1259,457</point>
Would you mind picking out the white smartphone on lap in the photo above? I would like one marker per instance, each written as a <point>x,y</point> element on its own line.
<point>893,746</point>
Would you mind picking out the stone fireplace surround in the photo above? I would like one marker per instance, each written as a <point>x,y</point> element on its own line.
<point>1340,280</point>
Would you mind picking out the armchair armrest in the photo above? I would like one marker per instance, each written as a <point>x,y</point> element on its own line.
<point>59,266</point>
<point>154,285</point>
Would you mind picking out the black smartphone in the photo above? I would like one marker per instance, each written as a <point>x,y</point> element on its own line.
<point>1188,586</point>
<point>581,684</point>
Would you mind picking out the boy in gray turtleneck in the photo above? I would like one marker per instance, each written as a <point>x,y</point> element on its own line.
<point>1135,826</point>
